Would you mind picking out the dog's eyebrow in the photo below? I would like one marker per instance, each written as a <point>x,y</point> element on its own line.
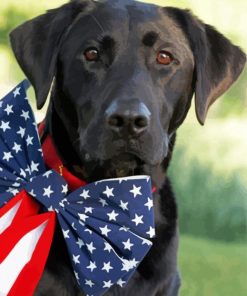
<point>150,38</point>
<point>107,43</point>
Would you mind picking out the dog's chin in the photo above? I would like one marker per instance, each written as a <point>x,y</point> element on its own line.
<point>124,165</point>
<point>121,165</point>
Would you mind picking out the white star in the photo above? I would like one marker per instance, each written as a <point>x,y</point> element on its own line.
<point>90,247</point>
<point>64,188</point>
<point>32,193</point>
<point>62,204</point>
<point>107,284</point>
<point>80,222</point>
<point>126,265</point>
<point>7,156</point>
<point>25,115</point>
<point>9,189</point>
<point>138,219</point>
<point>21,131</point>
<point>48,191</point>
<point>22,173</point>
<point>34,166</point>
<point>134,263</point>
<point>136,191</point>
<point>124,205</point>
<point>76,276</point>
<point>92,266</point>
<point>47,174</point>
<point>89,283</point>
<point>83,217</point>
<point>28,169</point>
<point>107,266</point>
<point>104,230</point>
<point>50,209</point>
<point>1,104</point>
<point>108,191</point>
<point>29,140</point>
<point>88,230</point>
<point>85,194</point>
<point>128,245</point>
<point>41,152</point>
<point>146,242</point>
<point>80,242</point>
<point>16,147</point>
<point>4,125</point>
<point>73,226</point>
<point>112,215</point>
<point>107,247</point>
<point>8,109</point>
<point>65,233</point>
<point>121,283</point>
<point>149,204</point>
<point>124,228</point>
<point>151,232</point>
<point>76,259</point>
<point>121,180</point>
<point>16,92</point>
<point>103,202</point>
<point>88,210</point>
<point>13,191</point>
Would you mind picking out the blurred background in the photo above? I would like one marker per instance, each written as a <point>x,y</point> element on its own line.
<point>209,167</point>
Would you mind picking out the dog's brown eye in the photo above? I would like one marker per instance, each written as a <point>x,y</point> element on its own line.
<point>164,58</point>
<point>91,54</point>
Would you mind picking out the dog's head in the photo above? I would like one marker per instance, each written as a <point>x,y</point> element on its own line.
<point>125,73</point>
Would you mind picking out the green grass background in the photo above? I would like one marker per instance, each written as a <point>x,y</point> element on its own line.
<point>209,167</point>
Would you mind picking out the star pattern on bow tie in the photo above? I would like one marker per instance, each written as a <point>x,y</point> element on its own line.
<point>107,225</point>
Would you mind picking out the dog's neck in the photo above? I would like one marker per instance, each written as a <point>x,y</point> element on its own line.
<point>55,127</point>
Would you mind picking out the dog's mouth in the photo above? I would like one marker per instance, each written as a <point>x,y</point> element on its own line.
<point>125,164</point>
<point>121,165</point>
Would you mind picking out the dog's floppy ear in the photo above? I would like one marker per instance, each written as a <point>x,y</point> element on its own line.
<point>218,62</point>
<point>36,45</point>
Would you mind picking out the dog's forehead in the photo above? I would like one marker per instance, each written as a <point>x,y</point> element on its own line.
<point>123,18</point>
<point>110,14</point>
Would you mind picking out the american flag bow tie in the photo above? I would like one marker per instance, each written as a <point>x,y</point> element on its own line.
<point>107,225</point>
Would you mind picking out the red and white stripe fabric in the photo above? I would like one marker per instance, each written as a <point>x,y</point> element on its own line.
<point>25,239</point>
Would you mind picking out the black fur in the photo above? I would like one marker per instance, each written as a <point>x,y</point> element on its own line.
<point>125,80</point>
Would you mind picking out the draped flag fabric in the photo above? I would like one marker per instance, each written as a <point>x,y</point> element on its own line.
<point>107,225</point>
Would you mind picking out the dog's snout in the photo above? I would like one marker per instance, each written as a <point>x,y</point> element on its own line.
<point>129,117</point>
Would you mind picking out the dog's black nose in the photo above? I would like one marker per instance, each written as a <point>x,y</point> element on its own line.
<point>128,117</point>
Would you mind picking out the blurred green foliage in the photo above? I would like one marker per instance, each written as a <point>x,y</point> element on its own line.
<point>210,268</point>
<point>211,185</point>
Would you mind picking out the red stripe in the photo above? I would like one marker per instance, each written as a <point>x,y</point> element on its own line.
<point>27,219</point>
<point>29,278</point>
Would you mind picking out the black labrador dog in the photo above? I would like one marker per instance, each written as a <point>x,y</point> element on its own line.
<point>122,76</point>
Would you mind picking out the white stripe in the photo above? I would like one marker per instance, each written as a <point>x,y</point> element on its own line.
<point>8,217</point>
<point>16,260</point>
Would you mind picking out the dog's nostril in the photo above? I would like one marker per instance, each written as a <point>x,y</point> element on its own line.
<point>141,122</point>
<point>116,121</point>
<point>129,117</point>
